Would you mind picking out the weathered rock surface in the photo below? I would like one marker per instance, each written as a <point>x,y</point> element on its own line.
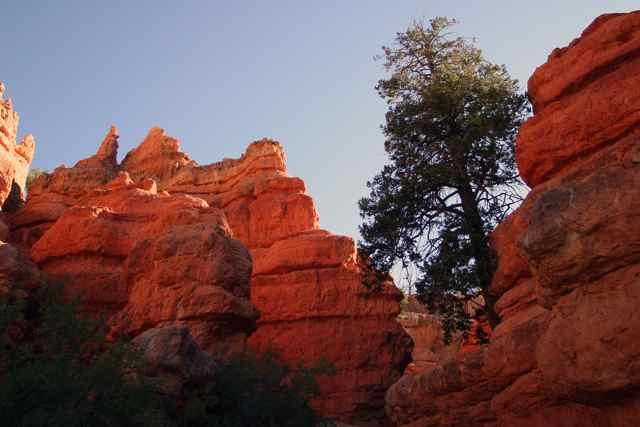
<point>153,259</point>
<point>14,158</point>
<point>425,330</point>
<point>307,283</point>
<point>585,97</point>
<point>159,252</point>
<point>568,279</point>
<point>175,359</point>
<point>52,193</point>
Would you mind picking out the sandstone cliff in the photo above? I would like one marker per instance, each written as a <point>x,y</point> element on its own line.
<point>159,241</point>
<point>306,282</point>
<point>566,351</point>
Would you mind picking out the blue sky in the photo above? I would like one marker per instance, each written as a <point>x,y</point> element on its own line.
<point>218,75</point>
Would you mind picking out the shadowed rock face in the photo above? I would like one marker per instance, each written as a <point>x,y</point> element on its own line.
<point>173,356</point>
<point>567,349</point>
<point>176,247</point>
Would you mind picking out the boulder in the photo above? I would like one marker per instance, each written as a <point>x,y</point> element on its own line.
<point>174,359</point>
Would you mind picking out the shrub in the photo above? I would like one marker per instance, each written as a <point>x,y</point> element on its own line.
<point>255,390</point>
<point>57,368</point>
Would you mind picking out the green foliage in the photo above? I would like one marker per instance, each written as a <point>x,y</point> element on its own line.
<point>450,129</point>
<point>255,391</point>
<point>57,369</point>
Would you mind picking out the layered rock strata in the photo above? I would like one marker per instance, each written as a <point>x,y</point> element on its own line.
<point>153,259</point>
<point>148,241</point>
<point>50,194</point>
<point>568,281</point>
<point>306,282</point>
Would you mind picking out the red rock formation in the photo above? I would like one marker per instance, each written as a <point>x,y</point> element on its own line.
<point>306,282</point>
<point>14,158</point>
<point>426,332</point>
<point>137,253</point>
<point>52,193</point>
<point>153,259</point>
<point>568,279</point>
<point>157,157</point>
<point>582,106</point>
<point>174,358</point>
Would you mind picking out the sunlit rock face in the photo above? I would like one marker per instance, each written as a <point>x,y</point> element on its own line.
<point>307,283</point>
<point>568,280</point>
<point>151,260</point>
<point>52,193</point>
<point>159,241</point>
<point>14,158</point>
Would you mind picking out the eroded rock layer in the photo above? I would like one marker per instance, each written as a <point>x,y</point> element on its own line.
<point>425,329</point>
<point>14,158</point>
<point>306,283</point>
<point>153,259</point>
<point>566,352</point>
<point>148,241</point>
<point>50,194</point>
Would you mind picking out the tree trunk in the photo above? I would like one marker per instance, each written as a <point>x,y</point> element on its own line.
<point>480,248</point>
<point>475,226</point>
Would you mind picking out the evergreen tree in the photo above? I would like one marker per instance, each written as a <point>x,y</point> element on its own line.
<point>451,176</point>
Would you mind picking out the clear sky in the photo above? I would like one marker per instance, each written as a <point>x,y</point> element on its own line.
<point>220,74</point>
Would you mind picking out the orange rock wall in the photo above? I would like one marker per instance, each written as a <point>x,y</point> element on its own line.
<point>153,259</point>
<point>568,279</point>
<point>148,241</point>
<point>306,282</point>
<point>52,193</point>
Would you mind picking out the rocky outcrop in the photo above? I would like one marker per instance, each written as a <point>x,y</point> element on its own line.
<point>14,158</point>
<point>157,157</point>
<point>148,241</point>
<point>568,278</point>
<point>14,165</point>
<point>152,259</point>
<point>584,100</point>
<point>50,194</point>
<point>306,282</point>
<point>425,329</point>
<point>174,360</point>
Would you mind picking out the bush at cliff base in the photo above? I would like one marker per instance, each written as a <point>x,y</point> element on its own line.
<point>57,369</point>
<point>253,390</point>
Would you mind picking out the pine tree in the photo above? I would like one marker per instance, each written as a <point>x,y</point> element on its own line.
<point>451,177</point>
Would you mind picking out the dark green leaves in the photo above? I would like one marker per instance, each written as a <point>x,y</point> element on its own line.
<point>451,177</point>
